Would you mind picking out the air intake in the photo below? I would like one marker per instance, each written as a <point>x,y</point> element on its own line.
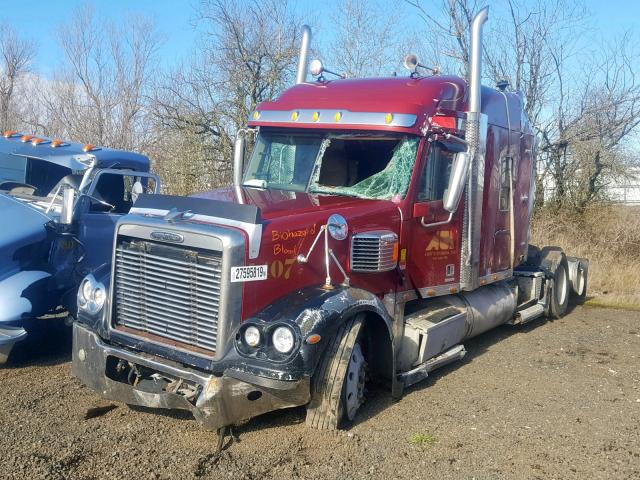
<point>374,251</point>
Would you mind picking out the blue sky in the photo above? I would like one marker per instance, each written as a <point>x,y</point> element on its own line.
<point>39,20</point>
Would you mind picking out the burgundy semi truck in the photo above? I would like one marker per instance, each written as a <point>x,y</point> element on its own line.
<point>376,226</point>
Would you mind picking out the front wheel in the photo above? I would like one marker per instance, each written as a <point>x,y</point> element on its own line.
<point>338,386</point>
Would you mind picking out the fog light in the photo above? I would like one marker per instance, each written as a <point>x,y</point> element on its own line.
<point>252,336</point>
<point>283,339</point>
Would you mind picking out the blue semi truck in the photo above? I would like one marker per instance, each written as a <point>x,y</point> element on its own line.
<point>59,203</point>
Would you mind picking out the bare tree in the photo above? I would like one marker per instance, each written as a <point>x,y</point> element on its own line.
<point>585,143</point>
<point>246,56</point>
<point>367,41</point>
<point>16,55</point>
<point>99,94</point>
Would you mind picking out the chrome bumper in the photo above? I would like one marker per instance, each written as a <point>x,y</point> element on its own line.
<point>223,400</point>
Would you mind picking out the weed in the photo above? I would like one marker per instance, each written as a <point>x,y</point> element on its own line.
<point>422,439</point>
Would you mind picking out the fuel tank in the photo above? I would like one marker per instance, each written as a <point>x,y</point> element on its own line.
<point>486,307</point>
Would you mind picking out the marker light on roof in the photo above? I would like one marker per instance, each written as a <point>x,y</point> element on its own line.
<point>388,118</point>
<point>337,116</point>
<point>56,143</point>
<point>37,141</point>
<point>256,115</point>
<point>25,138</point>
<point>88,147</point>
<point>9,133</point>
<point>294,116</point>
<point>316,116</point>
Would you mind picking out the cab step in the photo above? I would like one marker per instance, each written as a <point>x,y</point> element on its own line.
<point>422,371</point>
<point>529,314</point>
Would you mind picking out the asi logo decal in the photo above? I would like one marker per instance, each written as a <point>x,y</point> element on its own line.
<point>441,244</point>
<point>442,240</point>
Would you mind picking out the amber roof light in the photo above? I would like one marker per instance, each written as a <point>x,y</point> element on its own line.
<point>9,133</point>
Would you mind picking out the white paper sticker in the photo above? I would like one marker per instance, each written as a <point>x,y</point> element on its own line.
<point>250,273</point>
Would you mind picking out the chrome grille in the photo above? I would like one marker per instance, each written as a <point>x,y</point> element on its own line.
<point>374,251</point>
<point>168,291</point>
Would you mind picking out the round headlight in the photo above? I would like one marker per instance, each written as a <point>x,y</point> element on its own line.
<point>86,291</point>
<point>283,339</point>
<point>252,336</point>
<point>99,296</point>
<point>338,228</point>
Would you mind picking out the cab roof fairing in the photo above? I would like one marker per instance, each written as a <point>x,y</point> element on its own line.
<point>398,96</point>
<point>423,97</point>
<point>72,156</point>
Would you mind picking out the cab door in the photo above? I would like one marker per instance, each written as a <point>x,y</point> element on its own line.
<point>110,196</point>
<point>433,254</point>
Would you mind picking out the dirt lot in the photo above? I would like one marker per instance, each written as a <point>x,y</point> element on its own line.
<point>551,400</point>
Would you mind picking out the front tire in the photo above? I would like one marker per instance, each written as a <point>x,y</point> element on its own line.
<point>338,386</point>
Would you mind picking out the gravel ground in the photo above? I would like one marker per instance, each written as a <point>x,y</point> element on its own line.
<point>550,400</point>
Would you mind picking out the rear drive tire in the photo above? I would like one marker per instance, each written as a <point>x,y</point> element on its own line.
<point>579,291</point>
<point>338,386</point>
<point>560,291</point>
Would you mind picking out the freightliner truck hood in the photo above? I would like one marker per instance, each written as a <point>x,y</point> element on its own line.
<point>276,204</point>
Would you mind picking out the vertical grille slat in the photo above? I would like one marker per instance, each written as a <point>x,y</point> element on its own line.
<point>168,291</point>
<point>374,251</point>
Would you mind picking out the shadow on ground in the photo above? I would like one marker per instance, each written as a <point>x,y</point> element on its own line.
<point>48,343</point>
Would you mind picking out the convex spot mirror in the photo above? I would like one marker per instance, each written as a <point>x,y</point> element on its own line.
<point>457,181</point>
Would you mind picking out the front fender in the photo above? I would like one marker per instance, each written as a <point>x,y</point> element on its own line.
<point>320,311</point>
<point>25,294</point>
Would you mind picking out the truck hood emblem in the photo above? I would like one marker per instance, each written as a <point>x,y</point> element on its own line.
<point>167,237</point>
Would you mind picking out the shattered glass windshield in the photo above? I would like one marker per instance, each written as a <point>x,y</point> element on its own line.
<point>357,165</point>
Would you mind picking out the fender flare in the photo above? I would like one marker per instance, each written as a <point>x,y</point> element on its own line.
<point>320,311</point>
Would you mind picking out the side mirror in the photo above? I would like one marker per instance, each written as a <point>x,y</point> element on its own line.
<point>238,158</point>
<point>136,190</point>
<point>457,181</point>
<point>68,197</point>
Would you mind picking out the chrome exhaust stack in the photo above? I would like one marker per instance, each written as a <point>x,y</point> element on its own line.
<point>238,158</point>
<point>301,73</point>
<point>475,135</point>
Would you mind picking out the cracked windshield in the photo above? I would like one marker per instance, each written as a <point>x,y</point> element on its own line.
<point>365,166</point>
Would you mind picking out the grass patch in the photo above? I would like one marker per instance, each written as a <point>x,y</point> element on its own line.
<point>421,439</point>
<point>609,237</point>
<point>603,302</point>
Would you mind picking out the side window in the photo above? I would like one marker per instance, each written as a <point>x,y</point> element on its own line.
<point>505,174</point>
<point>116,193</point>
<point>435,175</point>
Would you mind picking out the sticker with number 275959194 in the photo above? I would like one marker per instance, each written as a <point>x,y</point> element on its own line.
<point>249,273</point>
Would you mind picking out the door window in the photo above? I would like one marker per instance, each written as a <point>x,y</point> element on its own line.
<point>116,193</point>
<point>435,175</point>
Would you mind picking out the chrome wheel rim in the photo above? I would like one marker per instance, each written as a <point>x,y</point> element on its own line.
<point>561,287</point>
<point>354,382</point>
